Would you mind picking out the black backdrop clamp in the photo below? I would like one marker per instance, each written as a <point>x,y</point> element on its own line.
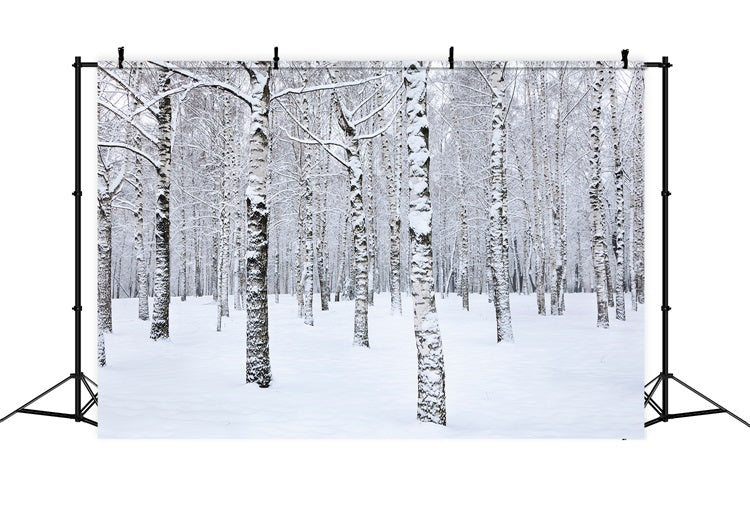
<point>120,56</point>
<point>275,57</point>
<point>81,381</point>
<point>664,377</point>
<point>450,57</point>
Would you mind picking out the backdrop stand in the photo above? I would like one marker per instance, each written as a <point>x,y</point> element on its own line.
<point>665,376</point>
<point>79,379</point>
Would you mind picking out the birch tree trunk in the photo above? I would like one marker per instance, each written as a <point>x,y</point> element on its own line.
<point>430,370</point>
<point>357,215</point>
<point>393,182</point>
<point>619,173</point>
<point>138,246</point>
<point>559,206</point>
<point>239,274</point>
<point>368,161</point>
<point>308,254</point>
<point>638,182</point>
<point>160,321</point>
<point>538,231</point>
<point>258,364</point>
<point>463,231</point>
<point>299,260</point>
<point>498,208</point>
<point>104,263</point>
<point>140,253</point>
<point>322,242</point>
<point>183,266</point>
<point>595,199</point>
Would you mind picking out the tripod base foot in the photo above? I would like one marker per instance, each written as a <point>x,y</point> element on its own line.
<point>649,401</point>
<point>78,416</point>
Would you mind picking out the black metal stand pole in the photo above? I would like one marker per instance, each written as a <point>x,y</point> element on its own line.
<point>78,376</point>
<point>665,376</point>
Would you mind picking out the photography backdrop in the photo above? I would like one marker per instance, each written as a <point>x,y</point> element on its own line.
<point>343,249</point>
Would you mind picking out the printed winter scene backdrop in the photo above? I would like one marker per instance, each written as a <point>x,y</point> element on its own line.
<point>370,249</point>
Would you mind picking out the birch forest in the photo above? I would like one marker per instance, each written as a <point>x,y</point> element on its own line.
<point>309,198</point>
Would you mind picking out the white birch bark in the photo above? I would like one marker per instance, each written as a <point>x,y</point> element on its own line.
<point>183,266</point>
<point>538,231</point>
<point>258,364</point>
<point>430,369</point>
<point>104,263</point>
<point>160,320</point>
<point>619,174</point>
<point>393,182</point>
<point>638,185</point>
<point>595,199</point>
<point>357,215</point>
<point>498,230</point>
<point>138,245</point>
<point>308,254</point>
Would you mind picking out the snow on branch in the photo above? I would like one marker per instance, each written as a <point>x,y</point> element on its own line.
<point>313,136</point>
<point>311,141</point>
<point>326,87</point>
<point>201,81</point>
<point>382,130</point>
<point>129,119</point>
<point>128,88</point>
<point>135,150</point>
<point>381,107</point>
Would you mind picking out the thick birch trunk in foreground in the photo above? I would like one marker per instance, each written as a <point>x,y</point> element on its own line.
<point>498,214</point>
<point>430,370</point>
<point>598,242</point>
<point>619,237</point>
<point>160,321</point>
<point>258,364</point>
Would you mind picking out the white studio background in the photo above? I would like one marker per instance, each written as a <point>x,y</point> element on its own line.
<point>698,462</point>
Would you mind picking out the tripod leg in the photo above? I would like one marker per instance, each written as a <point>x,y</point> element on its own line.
<point>66,379</point>
<point>653,390</point>
<point>704,397</point>
<point>88,388</point>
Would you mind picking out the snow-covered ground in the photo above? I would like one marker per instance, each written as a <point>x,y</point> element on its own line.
<point>562,378</point>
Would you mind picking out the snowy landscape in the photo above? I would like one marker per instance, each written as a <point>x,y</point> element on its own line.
<point>370,249</point>
<point>560,379</point>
